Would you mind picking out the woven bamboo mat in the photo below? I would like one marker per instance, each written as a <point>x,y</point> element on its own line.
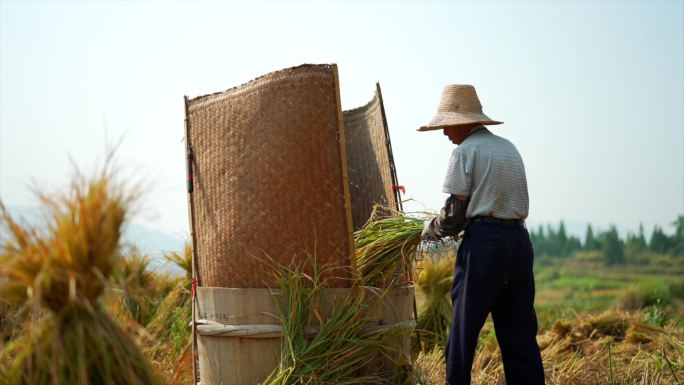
<point>369,159</point>
<point>270,177</point>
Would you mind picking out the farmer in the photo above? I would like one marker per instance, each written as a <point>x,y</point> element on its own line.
<point>488,199</point>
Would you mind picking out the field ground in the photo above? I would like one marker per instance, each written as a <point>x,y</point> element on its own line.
<point>595,321</point>
<point>567,287</point>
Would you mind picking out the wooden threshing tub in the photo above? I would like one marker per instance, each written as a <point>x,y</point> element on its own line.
<point>280,172</point>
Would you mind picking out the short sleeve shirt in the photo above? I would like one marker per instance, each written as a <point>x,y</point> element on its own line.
<point>489,169</point>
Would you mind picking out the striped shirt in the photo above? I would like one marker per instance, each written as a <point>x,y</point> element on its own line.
<point>489,169</point>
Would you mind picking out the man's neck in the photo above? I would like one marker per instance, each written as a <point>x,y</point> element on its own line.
<point>475,129</point>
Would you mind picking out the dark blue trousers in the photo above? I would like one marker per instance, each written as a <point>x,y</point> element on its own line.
<point>494,274</point>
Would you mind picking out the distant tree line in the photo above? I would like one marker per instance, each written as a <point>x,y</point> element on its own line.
<point>553,242</point>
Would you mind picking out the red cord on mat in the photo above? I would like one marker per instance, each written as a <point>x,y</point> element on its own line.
<point>194,286</point>
<point>401,188</point>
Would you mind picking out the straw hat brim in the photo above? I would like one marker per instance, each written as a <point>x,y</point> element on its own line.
<point>450,119</point>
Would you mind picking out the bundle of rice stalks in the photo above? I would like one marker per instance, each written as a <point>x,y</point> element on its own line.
<point>434,317</point>
<point>386,247</point>
<point>170,324</point>
<point>586,350</point>
<point>12,318</point>
<point>136,286</point>
<point>429,368</point>
<point>613,324</point>
<point>337,350</point>
<point>579,335</point>
<point>183,261</point>
<point>609,348</point>
<point>612,348</point>
<point>135,294</point>
<point>63,268</point>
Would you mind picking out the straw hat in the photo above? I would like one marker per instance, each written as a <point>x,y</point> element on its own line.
<point>459,106</point>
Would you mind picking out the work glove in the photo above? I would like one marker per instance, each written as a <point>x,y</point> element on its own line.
<point>428,234</point>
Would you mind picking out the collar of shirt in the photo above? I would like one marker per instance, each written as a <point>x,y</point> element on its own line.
<point>474,130</point>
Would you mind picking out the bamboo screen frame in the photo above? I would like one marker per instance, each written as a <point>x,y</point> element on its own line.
<point>270,178</point>
<point>281,172</point>
<point>369,157</point>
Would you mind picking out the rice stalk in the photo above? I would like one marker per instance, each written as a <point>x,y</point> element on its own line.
<point>429,367</point>
<point>170,333</point>
<point>584,351</point>
<point>75,254</point>
<point>61,270</point>
<point>434,316</point>
<point>137,286</point>
<point>78,345</point>
<point>182,260</point>
<point>338,351</point>
<point>12,318</point>
<point>169,326</point>
<point>176,304</point>
<point>386,247</point>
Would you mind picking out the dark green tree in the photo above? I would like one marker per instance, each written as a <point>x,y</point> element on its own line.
<point>567,244</point>
<point>640,237</point>
<point>660,243</point>
<point>590,243</point>
<point>678,238</point>
<point>539,241</point>
<point>572,245</point>
<point>636,243</point>
<point>562,235</point>
<point>555,243</point>
<point>612,247</point>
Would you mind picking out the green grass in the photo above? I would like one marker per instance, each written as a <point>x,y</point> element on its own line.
<point>576,285</point>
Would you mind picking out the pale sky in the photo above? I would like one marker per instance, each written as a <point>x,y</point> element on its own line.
<point>591,93</point>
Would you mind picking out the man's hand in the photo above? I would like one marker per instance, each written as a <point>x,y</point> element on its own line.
<point>428,234</point>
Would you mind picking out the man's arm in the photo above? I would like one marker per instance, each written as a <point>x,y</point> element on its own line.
<point>451,219</point>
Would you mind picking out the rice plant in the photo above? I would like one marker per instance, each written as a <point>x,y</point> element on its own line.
<point>173,314</point>
<point>182,260</point>
<point>585,350</point>
<point>170,324</point>
<point>62,270</point>
<point>136,286</point>
<point>386,247</point>
<point>336,350</point>
<point>434,281</point>
<point>429,368</point>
